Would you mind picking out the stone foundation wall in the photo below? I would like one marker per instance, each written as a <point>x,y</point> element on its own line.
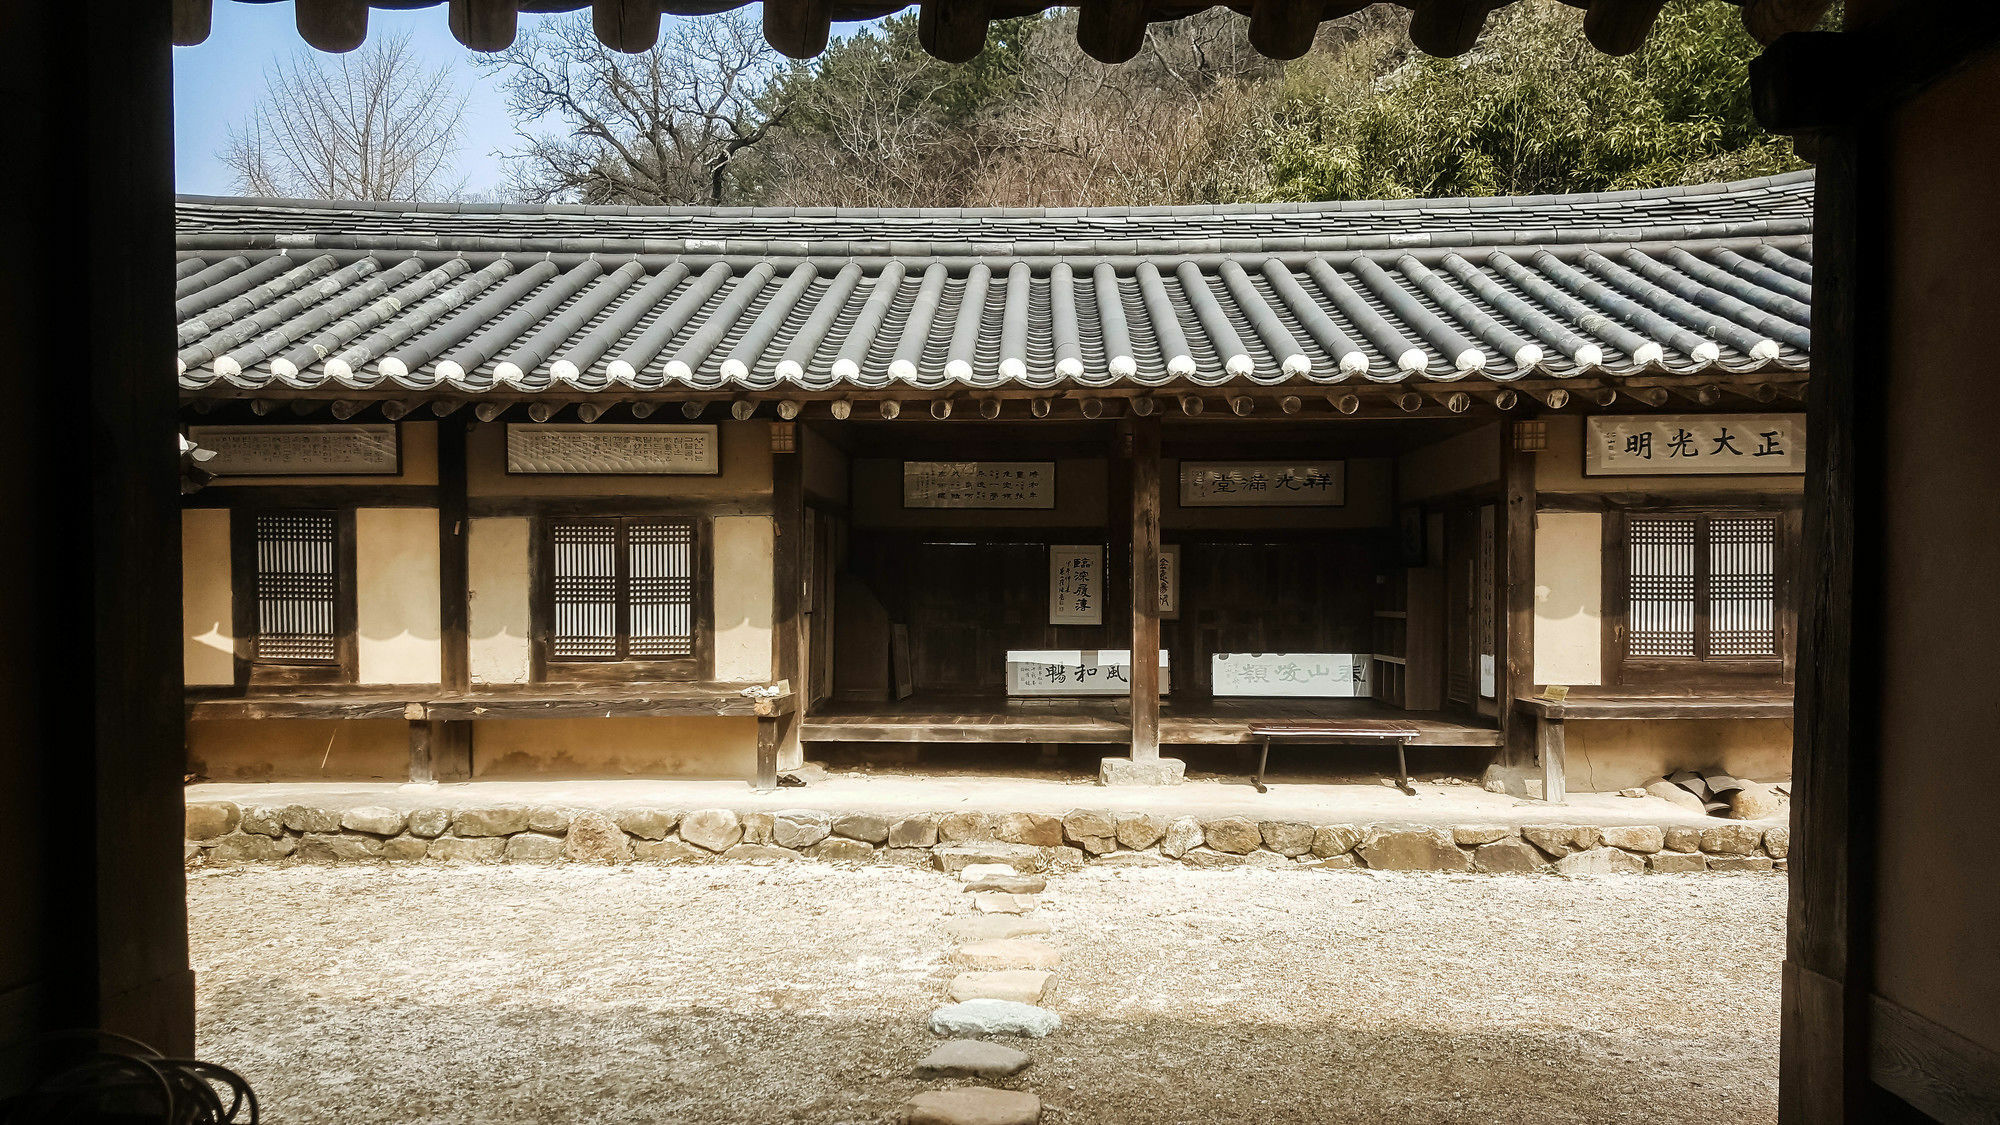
<point>221,834</point>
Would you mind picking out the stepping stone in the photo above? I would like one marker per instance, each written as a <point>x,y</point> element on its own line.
<point>973,1018</point>
<point>995,902</point>
<point>973,1105</point>
<point>1008,953</point>
<point>992,927</point>
<point>973,1058</point>
<point>977,871</point>
<point>1009,883</point>
<point>1023,986</point>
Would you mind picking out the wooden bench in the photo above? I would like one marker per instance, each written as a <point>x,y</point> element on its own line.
<point>1372,732</point>
<point>441,723</point>
<point>1551,745</point>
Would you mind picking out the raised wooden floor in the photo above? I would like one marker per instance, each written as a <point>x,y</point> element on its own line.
<point>1219,722</point>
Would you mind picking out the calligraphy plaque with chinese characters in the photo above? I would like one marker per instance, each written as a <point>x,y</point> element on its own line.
<point>1076,585</point>
<point>1170,582</point>
<point>979,484</point>
<point>1694,444</point>
<point>1070,672</point>
<point>300,451</point>
<point>1316,675</point>
<point>1263,484</point>
<point>593,448</point>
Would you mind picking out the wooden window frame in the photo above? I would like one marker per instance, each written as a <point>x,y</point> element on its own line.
<point>698,667</point>
<point>1698,672</point>
<point>252,673</point>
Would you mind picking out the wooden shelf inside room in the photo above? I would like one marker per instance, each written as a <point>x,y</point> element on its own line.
<point>1408,650</point>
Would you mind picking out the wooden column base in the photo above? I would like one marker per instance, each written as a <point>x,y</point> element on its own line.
<point>440,750</point>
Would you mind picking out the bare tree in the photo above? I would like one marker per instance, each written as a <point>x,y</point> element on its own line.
<point>368,125</point>
<point>664,126</point>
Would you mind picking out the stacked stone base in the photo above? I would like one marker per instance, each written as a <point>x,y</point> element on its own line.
<point>222,834</point>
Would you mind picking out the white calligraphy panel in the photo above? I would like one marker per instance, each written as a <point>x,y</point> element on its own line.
<point>1263,484</point>
<point>300,451</point>
<point>1694,444</point>
<point>1315,675</point>
<point>1076,585</point>
<point>602,449</point>
<point>979,484</point>
<point>1073,672</point>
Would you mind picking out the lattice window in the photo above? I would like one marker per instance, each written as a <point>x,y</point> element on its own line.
<point>1742,586</point>
<point>296,555</point>
<point>1703,587</point>
<point>1660,587</point>
<point>623,589</point>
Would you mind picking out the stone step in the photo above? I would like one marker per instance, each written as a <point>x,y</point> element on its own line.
<point>992,927</point>
<point>1008,953</point>
<point>973,1058</point>
<point>1025,986</point>
<point>972,1105</point>
<point>976,871</point>
<point>1009,883</point>
<point>1024,858</point>
<point>998,902</point>
<point>973,1018</point>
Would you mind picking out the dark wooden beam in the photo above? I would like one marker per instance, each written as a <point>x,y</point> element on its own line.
<point>1514,606</point>
<point>790,660</point>
<point>1145,593</point>
<point>453,563</point>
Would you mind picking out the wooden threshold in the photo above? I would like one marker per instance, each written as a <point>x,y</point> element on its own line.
<point>976,719</point>
<point>540,701</point>
<point>1760,705</point>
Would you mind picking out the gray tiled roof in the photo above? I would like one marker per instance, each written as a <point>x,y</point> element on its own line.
<point>463,299</point>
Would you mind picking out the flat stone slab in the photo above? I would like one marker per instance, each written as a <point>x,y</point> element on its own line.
<point>1008,953</point>
<point>1023,986</point>
<point>973,1018</point>
<point>1009,883</point>
<point>995,902</point>
<point>973,872</point>
<point>973,1058</point>
<point>992,927</point>
<point>972,1105</point>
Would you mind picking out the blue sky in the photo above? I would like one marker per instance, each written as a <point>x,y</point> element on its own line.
<point>217,82</point>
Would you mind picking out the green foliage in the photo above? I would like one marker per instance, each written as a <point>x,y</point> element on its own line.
<point>1533,109</point>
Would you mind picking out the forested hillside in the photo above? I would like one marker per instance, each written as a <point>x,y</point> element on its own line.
<point>711,116</point>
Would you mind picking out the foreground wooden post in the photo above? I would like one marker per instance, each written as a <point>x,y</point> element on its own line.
<point>1145,766</point>
<point>1514,607</point>
<point>788,637</point>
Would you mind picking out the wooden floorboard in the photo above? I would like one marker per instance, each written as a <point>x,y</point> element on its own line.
<point>1210,723</point>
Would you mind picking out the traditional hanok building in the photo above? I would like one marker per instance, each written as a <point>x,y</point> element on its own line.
<point>585,491</point>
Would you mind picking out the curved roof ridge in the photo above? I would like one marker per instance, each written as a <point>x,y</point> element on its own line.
<point>1730,187</point>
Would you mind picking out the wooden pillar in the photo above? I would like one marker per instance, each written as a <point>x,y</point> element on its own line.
<point>1145,589</point>
<point>1824,1008</point>
<point>453,569</point>
<point>1552,746</point>
<point>92,765</point>
<point>788,577</point>
<point>1514,610</point>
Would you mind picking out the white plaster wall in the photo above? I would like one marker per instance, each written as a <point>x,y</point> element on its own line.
<point>1569,598</point>
<point>396,596</point>
<point>208,647</point>
<point>499,637</point>
<point>742,598</point>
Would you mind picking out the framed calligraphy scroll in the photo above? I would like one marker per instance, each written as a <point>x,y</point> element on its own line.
<point>1170,582</point>
<point>1263,484</point>
<point>1076,585</point>
<point>612,450</point>
<point>979,484</point>
<point>301,451</point>
<point>1689,445</point>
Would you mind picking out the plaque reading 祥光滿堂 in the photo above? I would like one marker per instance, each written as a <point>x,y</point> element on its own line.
<point>613,450</point>
<point>300,451</point>
<point>1263,484</point>
<point>979,484</point>
<point>1694,444</point>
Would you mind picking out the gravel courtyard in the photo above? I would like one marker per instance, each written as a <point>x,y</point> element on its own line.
<point>799,993</point>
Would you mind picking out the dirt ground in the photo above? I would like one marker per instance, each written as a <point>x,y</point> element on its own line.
<point>799,993</point>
